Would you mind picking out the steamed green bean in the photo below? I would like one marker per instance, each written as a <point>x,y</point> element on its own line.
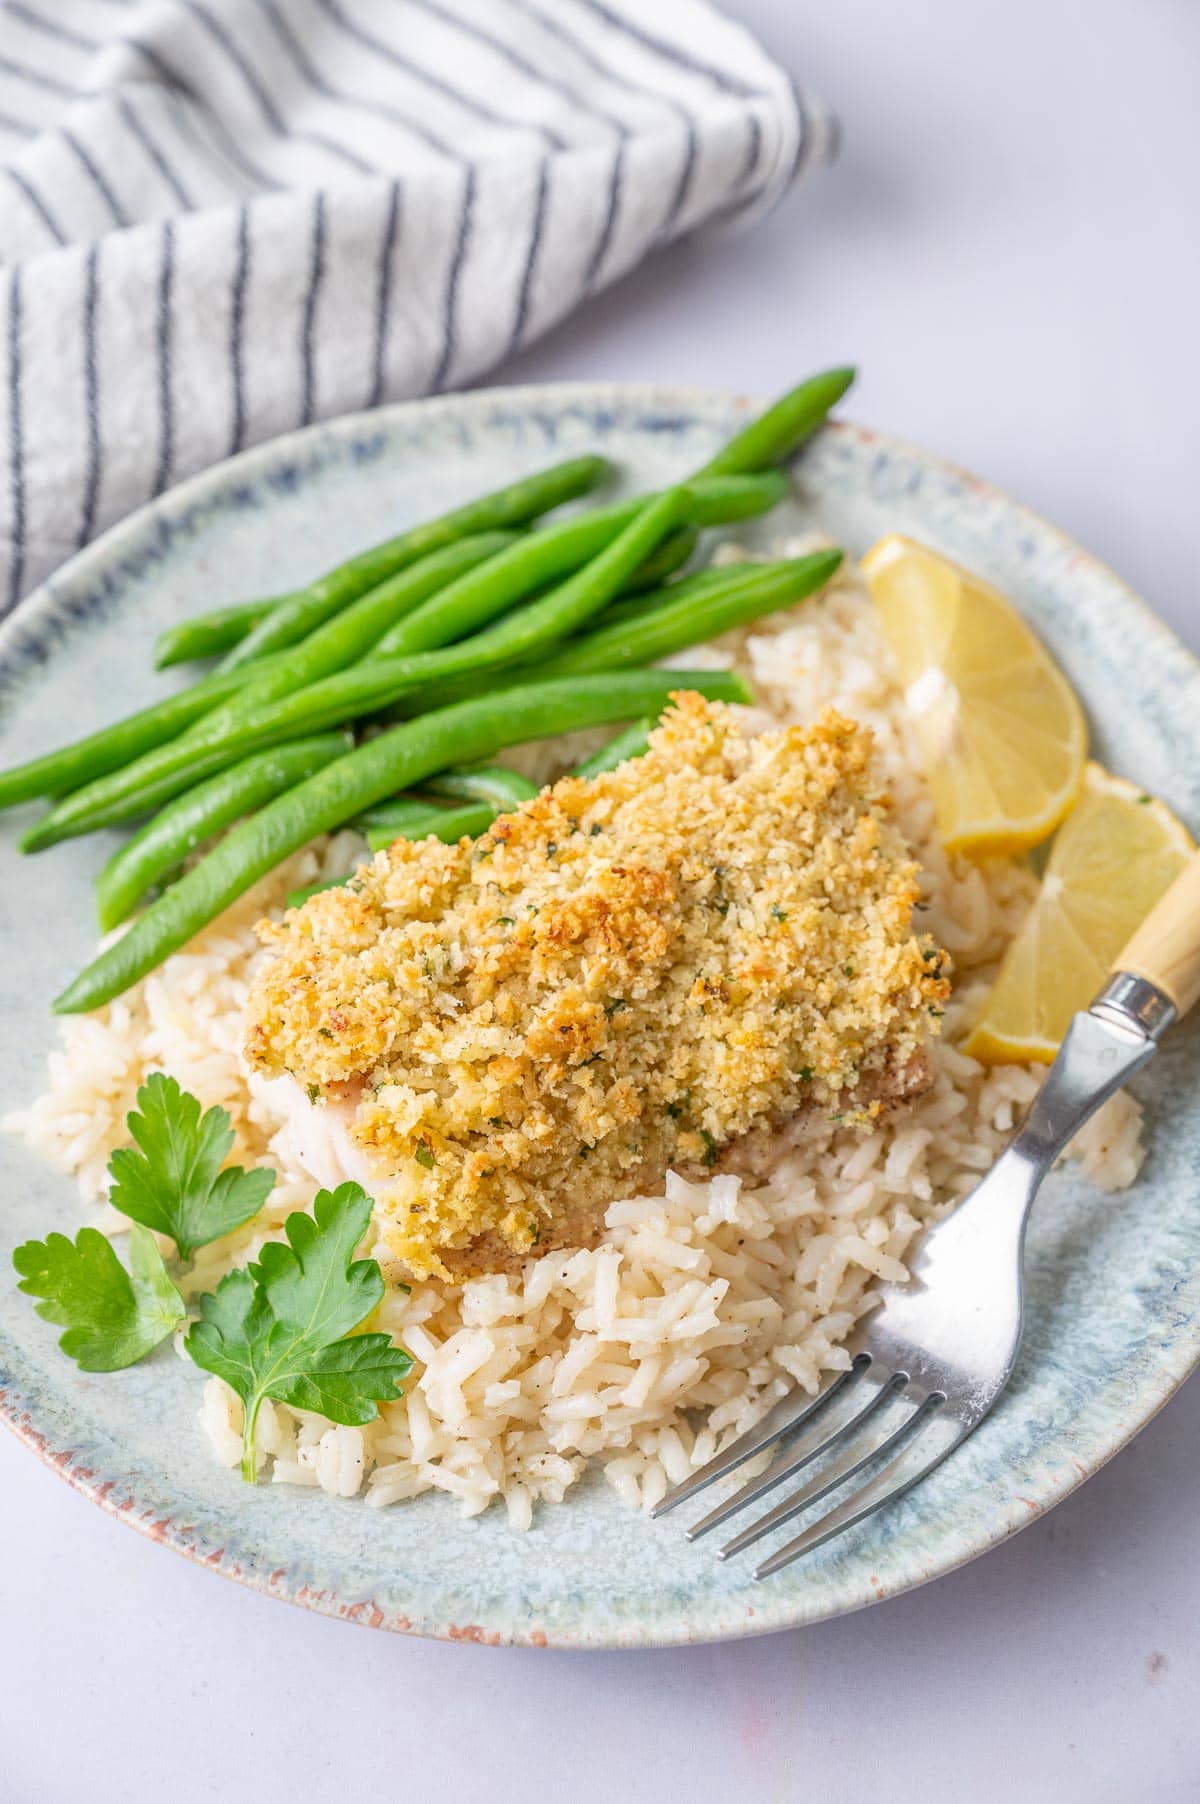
<point>295,615</point>
<point>395,812</point>
<point>775,434</point>
<point>356,630</point>
<point>396,760</point>
<point>686,613</point>
<point>448,824</point>
<point>699,582</point>
<point>551,553</point>
<point>167,839</point>
<point>407,817</point>
<point>207,635</point>
<point>245,720</point>
<point>766,441</point>
<point>630,743</point>
<point>582,596</point>
<point>751,591</point>
<point>486,783</point>
<point>671,555</point>
<point>363,689</point>
<point>110,748</point>
<point>296,898</point>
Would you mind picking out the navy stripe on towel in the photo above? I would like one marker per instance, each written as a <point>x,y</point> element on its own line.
<point>166,409</point>
<point>237,314</point>
<point>316,276</point>
<point>16,440</point>
<point>91,397</point>
<point>383,300</point>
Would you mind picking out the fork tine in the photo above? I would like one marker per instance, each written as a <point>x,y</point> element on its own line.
<point>884,1488</point>
<point>777,1425</point>
<point>786,1464</point>
<point>827,1480</point>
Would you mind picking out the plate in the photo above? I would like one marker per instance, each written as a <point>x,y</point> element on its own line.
<point>1114,1281</point>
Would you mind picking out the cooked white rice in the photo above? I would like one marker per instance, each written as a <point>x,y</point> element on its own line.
<point>700,1307</point>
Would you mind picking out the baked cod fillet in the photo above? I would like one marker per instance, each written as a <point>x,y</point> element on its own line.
<point>626,974</point>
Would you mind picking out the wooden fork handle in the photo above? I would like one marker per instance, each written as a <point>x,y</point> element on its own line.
<point>1166,947</point>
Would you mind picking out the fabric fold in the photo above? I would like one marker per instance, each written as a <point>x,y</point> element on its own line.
<point>221,219</point>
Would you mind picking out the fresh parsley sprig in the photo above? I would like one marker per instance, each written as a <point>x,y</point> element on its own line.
<point>282,1327</point>
<point>113,1317</point>
<point>173,1182</point>
<point>170,1181</point>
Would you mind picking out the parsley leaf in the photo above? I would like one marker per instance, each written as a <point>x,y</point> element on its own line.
<point>175,1184</point>
<point>282,1327</point>
<point>113,1317</point>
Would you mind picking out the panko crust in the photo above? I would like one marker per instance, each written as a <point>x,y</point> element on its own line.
<point>625,974</point>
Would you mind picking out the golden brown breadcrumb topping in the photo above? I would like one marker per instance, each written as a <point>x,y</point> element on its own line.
<point>627,973</point>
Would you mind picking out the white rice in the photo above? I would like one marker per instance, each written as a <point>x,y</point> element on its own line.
<point>701,1307</point>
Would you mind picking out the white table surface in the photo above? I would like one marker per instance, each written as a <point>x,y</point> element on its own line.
<point>1008,247</point>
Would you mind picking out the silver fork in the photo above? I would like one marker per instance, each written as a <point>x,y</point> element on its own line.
<point>937,1352</point>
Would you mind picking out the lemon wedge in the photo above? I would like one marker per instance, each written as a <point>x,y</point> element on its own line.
<point>1111,860</point>
<point>1001,731</point>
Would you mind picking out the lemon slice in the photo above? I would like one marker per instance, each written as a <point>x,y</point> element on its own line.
<point>1001,731</point>
<point>1110,862</point>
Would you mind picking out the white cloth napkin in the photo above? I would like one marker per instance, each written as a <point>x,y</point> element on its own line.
<point>220,219</point>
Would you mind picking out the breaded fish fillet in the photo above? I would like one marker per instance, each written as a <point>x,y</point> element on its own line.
<point>624,975</point>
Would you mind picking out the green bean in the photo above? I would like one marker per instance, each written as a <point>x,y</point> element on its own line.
<point>407,817</point>
<point>765,441</point>
<point>128,794</point>
<point>629,744</point>
<point>296,898</point>
<point>395,812</point>
<point>448,824</point>
<point>751,591</point>
<point>294,616</point>
<point>440,688</point>
<point>363,689</point>
<point>774,435</point>
<point>689,613</point>
<point>392,820</point>
<point>396,760</point>
<point>558,613</point>
<point>355,631</point>
<point>636,607</point>
<point>504,790</point>
<point>675,549</point>
<point>553,552</point>
<point>490,786</point>
<point>240,723</point>
<point>485,783</point>
<point>119,746</point>
<point>165,841</point>
<point>205,635</point>
<point>59,772</point>
<point>497,791</point>
<point>671,555</point>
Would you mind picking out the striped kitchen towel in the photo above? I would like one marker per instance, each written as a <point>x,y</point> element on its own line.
<point>220,219</point>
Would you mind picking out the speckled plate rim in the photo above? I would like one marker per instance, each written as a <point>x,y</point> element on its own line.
<point>1150,1378</point>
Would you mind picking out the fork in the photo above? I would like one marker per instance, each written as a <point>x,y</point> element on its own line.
<point>938,1350</point>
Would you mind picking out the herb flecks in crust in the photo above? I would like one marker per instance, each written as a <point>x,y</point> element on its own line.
<point>547,1019</point>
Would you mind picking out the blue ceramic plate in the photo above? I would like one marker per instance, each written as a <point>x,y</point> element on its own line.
<point>1114,1300</point>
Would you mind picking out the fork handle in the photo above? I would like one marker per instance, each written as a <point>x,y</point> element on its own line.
<point>1165,949</point>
